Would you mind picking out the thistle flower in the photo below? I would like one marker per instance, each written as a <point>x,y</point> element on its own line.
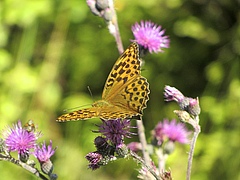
<point>150,36</point>
<point>173,131</point>
<point>94,159</point>
<point>173,94</point>
<point>116,130</point>
<point>19,139</point>
<point>191,105</point>
<point>43,154</point>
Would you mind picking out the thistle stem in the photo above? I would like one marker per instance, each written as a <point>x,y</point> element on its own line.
<point>113,27</point>
<point>197,130</point>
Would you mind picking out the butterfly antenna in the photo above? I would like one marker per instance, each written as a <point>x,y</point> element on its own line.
<point>70,109</point>
<point>90,92</point>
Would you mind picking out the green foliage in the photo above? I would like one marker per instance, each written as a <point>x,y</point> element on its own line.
<point>50,51</point>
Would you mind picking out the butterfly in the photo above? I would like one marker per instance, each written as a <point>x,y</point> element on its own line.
<point>125,93</point>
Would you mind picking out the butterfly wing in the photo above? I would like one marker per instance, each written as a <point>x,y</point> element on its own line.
<point>125,87</point>
<point>126,68</point>
<point>133,97</point>
<point>115,112</point>
<point>81,114</point>
<point>103,112</point>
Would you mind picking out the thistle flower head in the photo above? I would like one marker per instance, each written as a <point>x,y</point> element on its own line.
<point>150,36</point>
<point>44,153</point>
<point>191,105</point>
<point>175,131</point>
<point>115,130</point>
<point>19,139</point>
<point>173,94</point>
<point>172,131</point>
<point>94,159</point>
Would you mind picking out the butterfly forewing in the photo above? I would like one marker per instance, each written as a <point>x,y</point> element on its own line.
<point>126,68</point>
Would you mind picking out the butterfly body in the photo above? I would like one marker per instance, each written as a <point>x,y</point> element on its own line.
<point>125,92</point>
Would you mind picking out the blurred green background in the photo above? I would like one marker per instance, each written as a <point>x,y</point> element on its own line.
<point>50,51</point>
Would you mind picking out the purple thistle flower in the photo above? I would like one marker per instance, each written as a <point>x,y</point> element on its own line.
<point>150,36</point>
<point>188,104</point>
<point>94,159</point>
<point>175,131</point>
<point>19,139</point>
<point>172,131</point>
<point>97,159</point>
<point>173,94</point>
<point>44,153</point>
<point>116,130</point>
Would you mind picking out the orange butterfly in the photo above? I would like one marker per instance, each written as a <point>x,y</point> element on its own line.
<point>125,93</point>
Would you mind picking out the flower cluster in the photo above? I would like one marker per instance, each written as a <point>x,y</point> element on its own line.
<point>23,139</point>
<point>110,143</point>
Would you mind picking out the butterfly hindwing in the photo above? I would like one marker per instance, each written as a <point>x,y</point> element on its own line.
<point>81,114</point>
<point>135,96</point>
